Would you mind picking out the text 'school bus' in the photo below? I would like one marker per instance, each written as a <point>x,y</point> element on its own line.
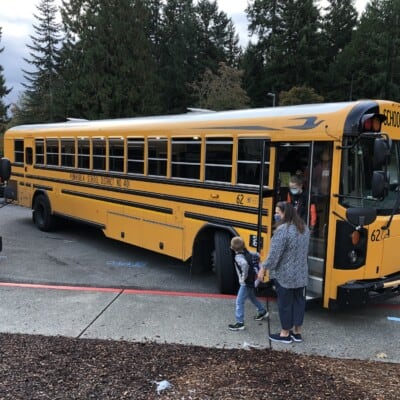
<point>184,185</point>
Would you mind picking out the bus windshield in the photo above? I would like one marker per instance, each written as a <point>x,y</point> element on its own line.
<point>356,173</point>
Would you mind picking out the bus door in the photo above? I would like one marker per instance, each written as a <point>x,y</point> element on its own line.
<point>264,178</point>
<point>25,190</point>
<point>308,165</point>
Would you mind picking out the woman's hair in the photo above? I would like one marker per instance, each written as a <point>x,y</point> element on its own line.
<point>290,215</point>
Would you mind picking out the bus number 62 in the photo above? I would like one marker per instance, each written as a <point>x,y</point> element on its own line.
<point>377,235</point>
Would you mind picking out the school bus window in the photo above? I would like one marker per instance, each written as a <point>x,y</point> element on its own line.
<point>39,151</point>
<point>52,152</point>
<point>136,156</point>
<point>356,173</point>
<point>157,156</point>
<point>68,152</point>
<point>99,154</point>
<point>186,158</point>
<point>116,154</point>
<point>28,156</point>
<point>385,205</point>
<point>219,159</point>
<point>19,151</point>
<point>84,153</point>
<point>393,169</point>
<point>249,159</point>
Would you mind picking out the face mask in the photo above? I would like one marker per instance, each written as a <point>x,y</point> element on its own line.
<point>295,191</point>
<point>277,217</point>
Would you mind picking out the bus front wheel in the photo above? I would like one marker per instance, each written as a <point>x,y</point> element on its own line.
<point>41,216</point>
<point>223,263</point>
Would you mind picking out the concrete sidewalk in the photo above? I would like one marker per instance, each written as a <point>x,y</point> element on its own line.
<point>371,333</point>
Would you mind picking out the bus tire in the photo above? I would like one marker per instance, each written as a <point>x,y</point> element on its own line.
<point>41,215</point>
<point>223,262</point>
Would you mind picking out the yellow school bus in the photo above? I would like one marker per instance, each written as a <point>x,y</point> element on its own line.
<point>1,144</point>
<point>183,185</point>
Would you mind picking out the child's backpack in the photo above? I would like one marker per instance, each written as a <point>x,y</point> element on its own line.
<point>253,259</point>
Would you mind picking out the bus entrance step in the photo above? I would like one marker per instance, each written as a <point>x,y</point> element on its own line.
<point>312,296</point>
<point>315,285</point>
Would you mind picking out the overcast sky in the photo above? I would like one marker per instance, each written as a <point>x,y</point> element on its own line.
<point>16,19</point>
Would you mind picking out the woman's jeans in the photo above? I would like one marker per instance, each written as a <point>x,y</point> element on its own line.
<point>244,293</point>
<point>291,305</point>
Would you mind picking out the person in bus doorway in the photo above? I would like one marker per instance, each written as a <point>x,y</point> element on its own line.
<point>247,277</point>
<point>287,266</point>
<point>321,175</point>
<point>299,199</point>
<point>320,187</point>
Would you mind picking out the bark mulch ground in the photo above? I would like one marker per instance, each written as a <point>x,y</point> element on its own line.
<point>39,367</point>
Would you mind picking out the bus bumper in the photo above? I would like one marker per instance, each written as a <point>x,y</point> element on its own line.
<point>359,293</point>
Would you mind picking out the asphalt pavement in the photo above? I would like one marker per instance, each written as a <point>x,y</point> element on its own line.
<point>191,319</point>
<point>76,283</point>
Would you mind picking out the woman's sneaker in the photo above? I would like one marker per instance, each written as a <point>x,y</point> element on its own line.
<point>276,337</point>
<point>296,337</point>
<point>261,315</point>
<point>239,326</point>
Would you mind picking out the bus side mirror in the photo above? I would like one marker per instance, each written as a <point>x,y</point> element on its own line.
<point>379,185</point>
<point>382,147</point>
<point>5,169</point>
<point>360,216</point>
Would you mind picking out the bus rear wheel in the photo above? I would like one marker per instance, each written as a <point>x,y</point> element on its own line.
<point>223,264</point>
<point>41,215</point>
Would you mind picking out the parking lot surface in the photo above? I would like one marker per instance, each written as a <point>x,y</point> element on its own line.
<point>76,283</point>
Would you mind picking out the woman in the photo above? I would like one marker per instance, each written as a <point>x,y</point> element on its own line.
<point>287,265</point>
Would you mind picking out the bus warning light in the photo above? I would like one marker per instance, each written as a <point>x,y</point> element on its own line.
<point>372,122</point>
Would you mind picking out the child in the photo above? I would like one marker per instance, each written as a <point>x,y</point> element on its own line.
<point>246,281</point>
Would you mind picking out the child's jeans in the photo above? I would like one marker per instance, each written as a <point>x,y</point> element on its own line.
<point>244,293</point>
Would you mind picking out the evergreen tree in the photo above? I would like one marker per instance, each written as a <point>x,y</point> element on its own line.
<point>253,65</point>
<point>178,54</point>
<point>154,25</point>
<point>369,67</point>
<point>217,39</point>
<point>264,23</point>
<point>109,64</point>
<point>193,38</point>
<point>233,51</point>
<point>4,91</point>
<point>339,24</point>
<point>288,33</point>
<point>39,104</point>
<point>297,56</point>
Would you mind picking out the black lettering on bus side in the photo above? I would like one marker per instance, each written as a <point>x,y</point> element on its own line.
<point>239,199</point>
<point>392,118</point>
<point>378,235</point>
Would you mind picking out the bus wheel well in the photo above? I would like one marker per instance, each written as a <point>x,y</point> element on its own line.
<point>203,248</point>
<point>42,215</point>
<point>211,251</point>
